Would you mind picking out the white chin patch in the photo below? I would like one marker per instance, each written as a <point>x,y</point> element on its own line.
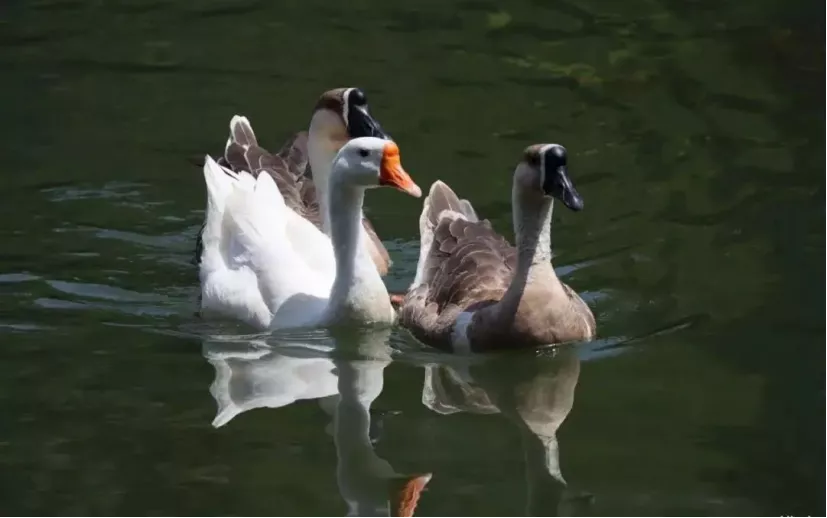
<point>346,105</point>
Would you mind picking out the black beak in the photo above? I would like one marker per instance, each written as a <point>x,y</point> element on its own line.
<point>573,200</point>
<point>360,123</point>
<point>558,184</point>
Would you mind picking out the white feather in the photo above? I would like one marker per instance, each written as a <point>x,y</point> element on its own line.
<point>271,268</point>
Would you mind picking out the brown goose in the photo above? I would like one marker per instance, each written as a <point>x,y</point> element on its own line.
<point>475,292</point>
<point>301,167</point>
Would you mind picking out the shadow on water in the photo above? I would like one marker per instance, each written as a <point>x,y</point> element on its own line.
<point>344,373</point>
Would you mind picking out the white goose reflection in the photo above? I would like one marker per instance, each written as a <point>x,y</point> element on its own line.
<point>251,373</point>
<point>536,393</point>
<point>345,372</point>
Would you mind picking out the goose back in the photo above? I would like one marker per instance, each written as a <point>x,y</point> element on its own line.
<point>290,169</point>
<point>467,266</point>
<point>466,272</point>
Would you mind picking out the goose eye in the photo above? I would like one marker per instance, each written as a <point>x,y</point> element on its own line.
<point>363,153</point>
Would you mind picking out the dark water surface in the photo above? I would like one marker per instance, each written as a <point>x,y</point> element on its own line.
<point>695,131</point>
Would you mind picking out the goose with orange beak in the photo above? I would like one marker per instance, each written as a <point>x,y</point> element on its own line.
<point>302,166</point>
<point>392,174</point>
<point>267,266</point>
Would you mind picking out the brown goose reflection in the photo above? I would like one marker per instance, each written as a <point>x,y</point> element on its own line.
<point>345,373</point>
<point>533,391</point>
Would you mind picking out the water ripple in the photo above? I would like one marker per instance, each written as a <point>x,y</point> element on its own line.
<point>61,304</point>
<point>23,327</point>
<point>12,278</point>
<point>102,291</point>
<point>111,190</point>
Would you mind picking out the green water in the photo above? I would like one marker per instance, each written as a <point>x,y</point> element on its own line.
<point>695,135</point>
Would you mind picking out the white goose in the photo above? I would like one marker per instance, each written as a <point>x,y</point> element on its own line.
<point>301,167</point>
<point>265,265</point>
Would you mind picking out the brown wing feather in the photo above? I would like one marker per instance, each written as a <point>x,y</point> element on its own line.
<point>468,264</point>
<point>581,306</point>
<point>242,153</point>
<point>468,260</point>
<point>294,152</point>
<point>241,132</point>
<point>234,157</point>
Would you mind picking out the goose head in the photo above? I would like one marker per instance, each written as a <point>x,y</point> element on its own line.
<point>368,162</point>
<point>544,172</point>
<point>342,114</point>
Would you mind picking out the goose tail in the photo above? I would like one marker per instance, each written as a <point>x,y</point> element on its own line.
<point>220,184</point>
<point>242,137</point>
<point>441,200</point>
<point>241,132</point>
<point>254,211</point>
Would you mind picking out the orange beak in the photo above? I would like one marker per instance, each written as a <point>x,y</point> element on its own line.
<point>392,174</point>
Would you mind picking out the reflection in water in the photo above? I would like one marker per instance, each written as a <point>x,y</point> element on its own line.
<point>250,373</point>
<point>346,374</point>
<point>533,391</point>
<point>364,478</point>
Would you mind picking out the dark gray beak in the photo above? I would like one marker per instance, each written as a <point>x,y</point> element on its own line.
<point>360,123</point>
<point>558,184</point>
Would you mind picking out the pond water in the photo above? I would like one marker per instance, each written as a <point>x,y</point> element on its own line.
<point>695,134</point>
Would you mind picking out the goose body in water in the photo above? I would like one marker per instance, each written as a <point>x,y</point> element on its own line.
<point>301,168</point>
<point>475,292</point>
<point>266,265</point>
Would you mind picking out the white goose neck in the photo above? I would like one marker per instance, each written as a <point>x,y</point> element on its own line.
<point>532,229</point>
<point>345,214</point>
<point>321,152</point>
<point>358,291</point>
